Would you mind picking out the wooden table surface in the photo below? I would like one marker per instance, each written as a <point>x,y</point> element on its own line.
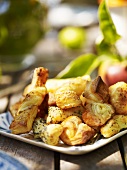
<point>112,156</point>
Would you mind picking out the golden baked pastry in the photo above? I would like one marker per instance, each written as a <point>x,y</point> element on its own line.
<point>96,90</point>
<point>39,79</point>
<point>57,115</point>
<point>114,125</point>
<point>75,132</point>
<point>66,98</point>
<point>34,95</point>
<point>28,110</point>
<point>97,114</point>
<point>48,133</point>
<point>118,97</point>
<point>68,95</point>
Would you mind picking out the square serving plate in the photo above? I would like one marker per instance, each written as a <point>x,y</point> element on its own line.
<point>6,119</point>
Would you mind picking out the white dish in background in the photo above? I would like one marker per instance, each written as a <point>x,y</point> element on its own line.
<point>7,162</point>
<point>70,15</point>
<point>6,119</point>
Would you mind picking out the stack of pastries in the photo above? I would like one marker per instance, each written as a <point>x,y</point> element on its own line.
<point>72,110</point>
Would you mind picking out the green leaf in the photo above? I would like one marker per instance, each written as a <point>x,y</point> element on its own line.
<point>104,48</point>
<point>105,57</point>
<point>78,67</point>
<point>106,24</point>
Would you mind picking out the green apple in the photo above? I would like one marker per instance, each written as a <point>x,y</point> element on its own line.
<point>72,37</point>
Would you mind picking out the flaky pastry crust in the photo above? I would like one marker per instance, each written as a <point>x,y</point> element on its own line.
<point>75,132</point>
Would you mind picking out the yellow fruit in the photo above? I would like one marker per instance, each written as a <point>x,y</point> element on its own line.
<point>115,3</point>
<point>72,37</point>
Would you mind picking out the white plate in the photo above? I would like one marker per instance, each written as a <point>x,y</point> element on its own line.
<point>6,119</point>
<point>7,162</point>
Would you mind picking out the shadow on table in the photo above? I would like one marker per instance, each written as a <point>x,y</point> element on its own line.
<point>105,158</point>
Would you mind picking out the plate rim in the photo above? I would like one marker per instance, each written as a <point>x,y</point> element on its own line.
<point>71,150</point>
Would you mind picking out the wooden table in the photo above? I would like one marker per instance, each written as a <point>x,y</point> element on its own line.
<point>110,157</point>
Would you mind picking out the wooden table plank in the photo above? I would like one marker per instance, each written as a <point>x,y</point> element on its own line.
<point>32,156</point>
<point>106,158</point>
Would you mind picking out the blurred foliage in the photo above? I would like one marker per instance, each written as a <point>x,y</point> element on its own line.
<point>22,25</point>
